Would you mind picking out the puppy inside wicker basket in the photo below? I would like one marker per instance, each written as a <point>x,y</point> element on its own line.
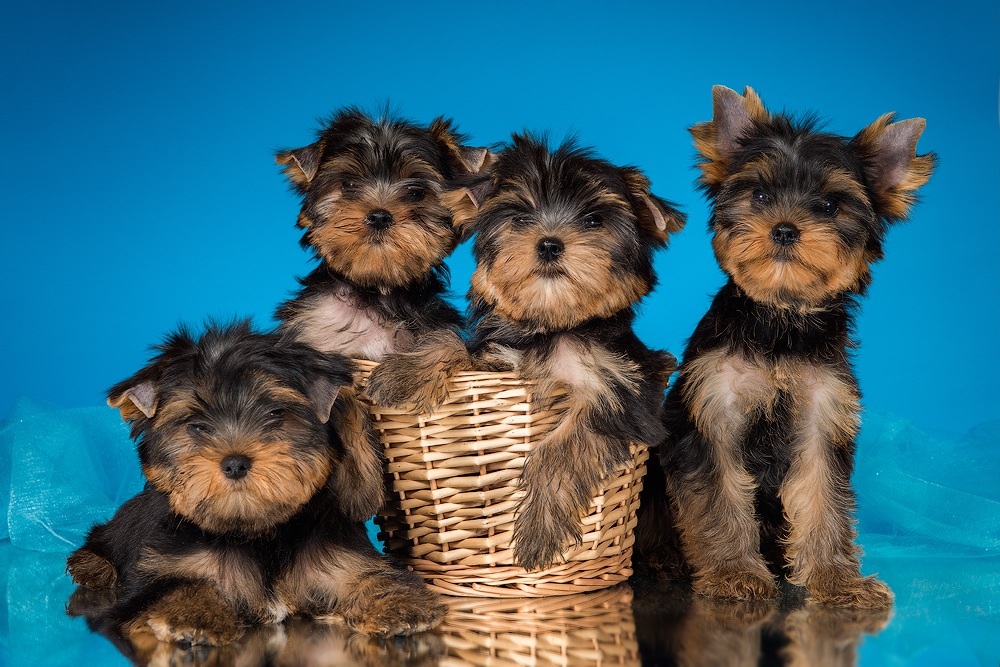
<point>563,243</point>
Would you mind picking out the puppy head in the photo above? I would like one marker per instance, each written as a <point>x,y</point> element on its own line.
<point>563,236</point>
<point>799,215</point>
<point>375,195</point>
<point>232,425</point>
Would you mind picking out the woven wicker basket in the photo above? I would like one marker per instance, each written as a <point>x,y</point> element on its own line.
<point>452,488</point>
<point>573,630</point>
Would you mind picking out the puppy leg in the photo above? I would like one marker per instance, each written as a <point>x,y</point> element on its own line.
<point>190,614</point>
<point>358,478</point>
<point>818,500</point>
<point>91,570</point>
<point>420,377</point>
<point>713,493</point>
<point>361,588</point>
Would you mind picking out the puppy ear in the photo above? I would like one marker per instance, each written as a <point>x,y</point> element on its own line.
<point>464,203</point>
<point>733,117</point>
<point>658,218</point>
<point>134,401</point>
<point>322,392</point>
<point>462,159</point>
<point>301,164</point>
<point>894,171</point>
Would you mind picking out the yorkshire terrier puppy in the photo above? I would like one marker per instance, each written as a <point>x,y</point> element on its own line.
<point>763,417</point>
<point>250,515</point>
<point>564,245</point>
<point>376,211</point>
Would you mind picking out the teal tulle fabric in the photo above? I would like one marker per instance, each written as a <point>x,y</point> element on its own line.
<point>929,510</point>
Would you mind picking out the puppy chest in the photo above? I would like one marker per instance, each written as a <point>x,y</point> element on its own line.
<point>333,323</point>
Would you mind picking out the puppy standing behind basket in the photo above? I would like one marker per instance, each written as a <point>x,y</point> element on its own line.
<point>525,479</point>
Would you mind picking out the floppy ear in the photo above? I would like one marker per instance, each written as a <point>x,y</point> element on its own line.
<point>894,171</point>
<point>718,140</point>
<point>134,398</point>
<point>464,203</point>
<point>322,393</point>
<point>301,164</point>
<point>657,217</point>
<point>462,159</point>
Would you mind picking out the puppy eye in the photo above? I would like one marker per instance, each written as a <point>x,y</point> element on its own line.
<point>277,414</point>
<point>415,193</point>
<point>761,197</point>
<point>519,220</point>
<point>198,428</point>
<point>829,207</point>
<point>593,220</point>
<point>349,185</point>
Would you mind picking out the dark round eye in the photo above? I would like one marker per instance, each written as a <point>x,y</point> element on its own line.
<point>829,207</point>
<point>415,193</point>
<point>349,185</point>
<point>519,220</point>
<point>593,220</point>
<point>198,428</point>
<point>277,413</point>
<point>761,197</point>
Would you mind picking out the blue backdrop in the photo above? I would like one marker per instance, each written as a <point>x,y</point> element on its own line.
<point>138,189</point>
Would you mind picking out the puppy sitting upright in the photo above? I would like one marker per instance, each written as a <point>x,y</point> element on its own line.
<point>564,244</point>
<point>763,417</point>
<point>375,212</point>
<point>250,514</point>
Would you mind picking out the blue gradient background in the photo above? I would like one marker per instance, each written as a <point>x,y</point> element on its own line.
<point>139,189</point>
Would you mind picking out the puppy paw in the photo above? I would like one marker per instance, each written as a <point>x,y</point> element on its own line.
<point>192,615</point>
<point>90,570</point>
<point>401,380</point>
<point>539,541</point>
<point>861,593</point>
<point>755,584</point>
<point>399,613</point>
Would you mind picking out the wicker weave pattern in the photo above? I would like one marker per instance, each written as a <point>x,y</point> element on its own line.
<point>574,630</point>
<point>452,482</point>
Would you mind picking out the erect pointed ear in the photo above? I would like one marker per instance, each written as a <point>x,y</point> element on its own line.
<point>301,164</point>
<point>134,400</point>
<point>894,171</point>
<point>733,116</point>
<point>657,217</point>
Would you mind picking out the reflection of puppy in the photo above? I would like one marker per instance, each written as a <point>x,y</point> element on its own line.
<point>245,519</point>
<point>564,244</point>
<point>763,417</point>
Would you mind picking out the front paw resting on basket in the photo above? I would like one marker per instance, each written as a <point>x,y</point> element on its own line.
<point>419,377</point>
<point>540,540</point>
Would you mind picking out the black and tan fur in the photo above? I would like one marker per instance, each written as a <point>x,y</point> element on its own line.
<point>377,210</point>
<point>251,514</point>
<point>563,244</point>
<point>763,417</point>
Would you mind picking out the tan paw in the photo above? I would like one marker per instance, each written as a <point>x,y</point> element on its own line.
<point>862,593</point>
<point>397,615</point>
<point>756,584</point>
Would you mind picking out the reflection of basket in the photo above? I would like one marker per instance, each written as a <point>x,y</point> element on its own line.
<point>453,479</point>
<point>585,629</point>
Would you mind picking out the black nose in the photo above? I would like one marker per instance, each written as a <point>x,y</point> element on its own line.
<point>550,249</point>
<point>235,467</point>
<point>785,234</point>
<point>379,219</point>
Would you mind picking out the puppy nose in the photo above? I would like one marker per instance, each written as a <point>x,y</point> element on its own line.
<point>550,249</point>
<point>785,234</point>
<point>235,467</point>
<point>379,219</point>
